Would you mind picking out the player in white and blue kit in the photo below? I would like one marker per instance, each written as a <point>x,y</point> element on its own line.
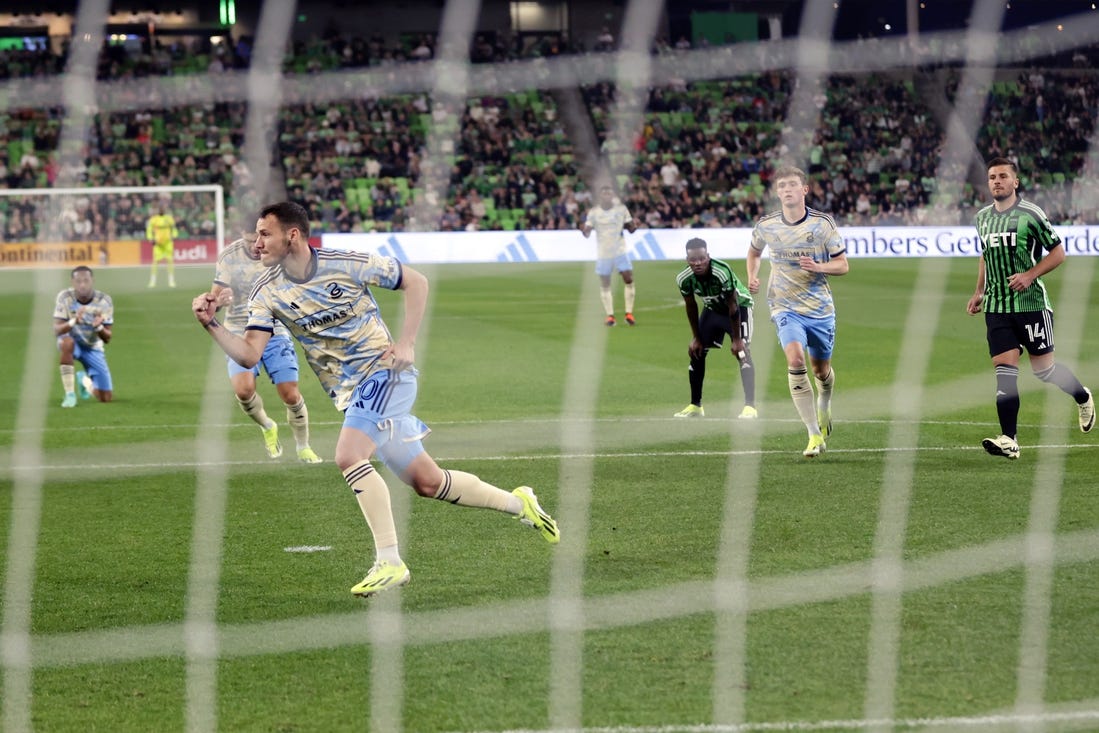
<point>805,248</point>
<point>607,220</point>
<point>82,321</point>
<point>238,269</point>
<point>323,297</point>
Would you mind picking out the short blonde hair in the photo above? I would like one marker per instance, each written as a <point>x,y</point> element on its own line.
<point>789,171</point>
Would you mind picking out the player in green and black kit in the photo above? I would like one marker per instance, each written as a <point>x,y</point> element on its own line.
<point>727,309</point>
<point>1018,246</point>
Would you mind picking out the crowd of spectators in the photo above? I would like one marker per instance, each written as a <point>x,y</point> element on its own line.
<point>702,155</point>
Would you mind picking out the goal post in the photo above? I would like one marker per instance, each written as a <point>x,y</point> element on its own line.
<point>106,225</point>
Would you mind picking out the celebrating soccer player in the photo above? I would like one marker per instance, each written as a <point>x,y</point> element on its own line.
<point>323,297</point>
<point>82,321</point>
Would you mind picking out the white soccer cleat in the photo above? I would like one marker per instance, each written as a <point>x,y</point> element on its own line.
<point>1001,446</point>
<point>1087,413</point>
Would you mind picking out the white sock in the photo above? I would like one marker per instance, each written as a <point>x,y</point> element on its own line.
<point>608,300</point>
<point>629,293</point>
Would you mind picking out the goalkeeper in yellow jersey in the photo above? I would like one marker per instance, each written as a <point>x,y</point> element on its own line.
<point>161,231</point>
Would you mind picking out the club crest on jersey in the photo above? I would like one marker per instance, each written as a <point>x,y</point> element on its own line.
<point>809,238</point>
<point>334,290</point>
<point>326,319</point>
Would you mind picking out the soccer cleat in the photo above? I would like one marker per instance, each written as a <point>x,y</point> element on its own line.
<point>1001,446</point>
<point>1087,413</point>
<point>748,413</point>
<point>152,283</point>
<point>308,455</point>
<point>630,319</point>
<point>271,441</point>
<point>535,516</point>
<point>382,576</point>
<point>691,410</point>
<point>824,418</point>
<point>171,283</point>
<point>816,446</point>
<point>84,385</point>
<point>610,321</point>
<point>70,400</point>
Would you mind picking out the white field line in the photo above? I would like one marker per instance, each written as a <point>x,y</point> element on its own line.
<point>552,456</point>
<point>1071,718</point>
<point>188,427</point>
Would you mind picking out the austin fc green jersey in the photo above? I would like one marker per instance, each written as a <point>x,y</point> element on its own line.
<point>1011,242</point>
<point>715,288</point>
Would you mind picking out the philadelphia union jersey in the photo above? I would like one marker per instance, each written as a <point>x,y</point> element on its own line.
<point>83,332</point>
<point>238,271</point>
<point>791,288</point>
<point>1012,242</point>
<point>716,288</point>
<point>332,314</point>
<point>608,225</point>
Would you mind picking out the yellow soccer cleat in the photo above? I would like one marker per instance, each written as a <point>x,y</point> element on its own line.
<point>691,411</point>
<point>816,446</point>
<point>535,516</point>
<point>271,441</point>
<point>382,576</point>
<point>308,455</point>
<point>748,413</point>
<point>824,419</point>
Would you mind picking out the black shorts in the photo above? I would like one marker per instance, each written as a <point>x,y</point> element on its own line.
<point>1032,331</point>
<point>712,327</point>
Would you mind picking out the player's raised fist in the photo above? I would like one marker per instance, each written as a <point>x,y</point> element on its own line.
<point>204,306</point>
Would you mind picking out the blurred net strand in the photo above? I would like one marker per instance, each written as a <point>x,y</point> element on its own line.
<point>449,87</point>
<point>261,127</point>
<point>968,109</point>
<point>16,651</point>
<point>883,647</point>
<point>852,57</point>
<point>632,69</point>
<point>811,68</point>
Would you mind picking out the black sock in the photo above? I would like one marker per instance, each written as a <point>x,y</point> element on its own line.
<point>748,379</point>
<point>1062,376</point>
<point>698,375</point>
<point>1007,398</point>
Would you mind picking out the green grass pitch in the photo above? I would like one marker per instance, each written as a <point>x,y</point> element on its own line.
<point>708,574</point>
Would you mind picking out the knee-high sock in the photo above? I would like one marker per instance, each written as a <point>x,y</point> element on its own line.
<point>824,390</point>
<point>748,379</point>
<point>628,291</point>
<point>68,378</point>
<point>253,408</point>
<point>1062,376</point>
<point>802,393</point>
<point>607,298</point>
<point>373,496</point>
<point>298,417</point>
<point>697,374</point>
<point>465,489</point>
<point>1007,398</point>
